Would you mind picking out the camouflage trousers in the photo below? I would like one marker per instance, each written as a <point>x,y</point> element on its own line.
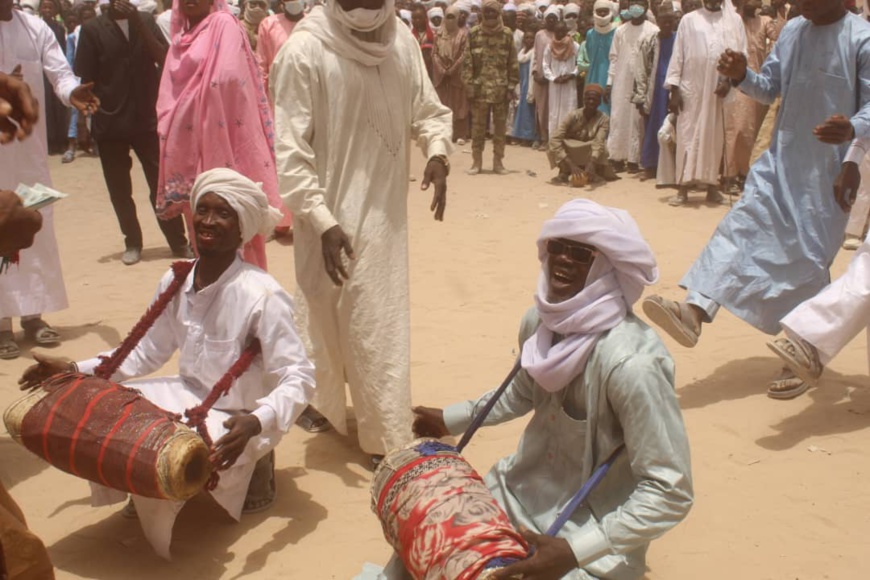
<point>480,113</point>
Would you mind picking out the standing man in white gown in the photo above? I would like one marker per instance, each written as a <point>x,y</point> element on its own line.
<point>34,286</point>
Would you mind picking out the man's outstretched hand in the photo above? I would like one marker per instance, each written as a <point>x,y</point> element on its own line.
<point>836,130</point>
<point>436,174</point>
<point>84,99</point>
<point>732,65</point>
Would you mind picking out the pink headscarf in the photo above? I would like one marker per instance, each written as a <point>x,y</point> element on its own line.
<point>212,111</point>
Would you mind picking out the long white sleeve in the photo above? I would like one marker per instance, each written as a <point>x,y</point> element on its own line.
<point>54,63</point>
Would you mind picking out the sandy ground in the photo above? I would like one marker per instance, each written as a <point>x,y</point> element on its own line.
<point>780,486</point>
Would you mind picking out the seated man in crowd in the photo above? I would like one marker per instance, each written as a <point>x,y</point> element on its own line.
<point>596,378</point>
<point>580,144</point>
<point>220,308</point>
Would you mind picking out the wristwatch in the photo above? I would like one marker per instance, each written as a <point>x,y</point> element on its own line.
<point>442,159</point>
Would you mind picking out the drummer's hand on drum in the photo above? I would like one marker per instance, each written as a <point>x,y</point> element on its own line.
<point>429,422</point>
<point>228,448</point>
<point>45,367</point>
<point>553,559</point>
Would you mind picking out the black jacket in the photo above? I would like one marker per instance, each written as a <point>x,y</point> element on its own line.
<point>126,78</point>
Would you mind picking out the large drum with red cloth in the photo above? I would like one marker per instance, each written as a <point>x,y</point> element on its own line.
<point>111,435</point>
<point>439,516</point>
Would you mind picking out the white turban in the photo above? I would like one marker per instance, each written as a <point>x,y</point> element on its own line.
<point>541,4</point>
<point>405,15</point>
<point>527,8</point>
<point>553,10</point>
<point>256,216</point>
<point>571,9</point>
<point>435,12</point>
<point>622,267</point>
<point>464,6</point>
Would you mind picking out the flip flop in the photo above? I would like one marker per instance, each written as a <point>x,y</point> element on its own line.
<point>786,388</point>
<point>801,357</point>
<point>670,316</point>
<point>40,332</point>
<point>8,347</point>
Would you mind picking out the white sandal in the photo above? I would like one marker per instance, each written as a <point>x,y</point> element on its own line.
<point>800,356</point>
<point>674,318</point>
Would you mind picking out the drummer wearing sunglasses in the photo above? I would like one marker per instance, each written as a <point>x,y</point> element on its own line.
<point>599,384</point>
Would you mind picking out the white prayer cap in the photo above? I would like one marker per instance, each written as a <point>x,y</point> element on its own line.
<point>246,198</point>
<point>510,7</point>
<point>405,15</point>
<point>554,10</point>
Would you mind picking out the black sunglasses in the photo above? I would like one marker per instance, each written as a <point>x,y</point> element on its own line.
<point>578,254</point>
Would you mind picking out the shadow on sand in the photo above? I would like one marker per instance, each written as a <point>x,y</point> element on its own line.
<point>840,404</point>
<point>201,541</point>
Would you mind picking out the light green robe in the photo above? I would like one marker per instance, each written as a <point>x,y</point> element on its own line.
<point>625,395</point>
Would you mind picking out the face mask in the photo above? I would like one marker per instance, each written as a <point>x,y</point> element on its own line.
<point>254,15</point>
<point>636,11</point>
<point>365,19</point>
<point>624,15</point>
<point>294,7</point>
<point>602,21</point>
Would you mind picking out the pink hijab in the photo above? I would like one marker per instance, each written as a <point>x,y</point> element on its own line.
<point>212,111</point>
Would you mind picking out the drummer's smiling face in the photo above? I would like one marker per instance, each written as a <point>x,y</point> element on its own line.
<point>568,265</point>
<point>216,225</point>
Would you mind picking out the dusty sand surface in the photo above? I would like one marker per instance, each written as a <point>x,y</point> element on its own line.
<point>781,487</point>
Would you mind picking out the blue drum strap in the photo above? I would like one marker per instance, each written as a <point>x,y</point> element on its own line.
<point>481,417</point>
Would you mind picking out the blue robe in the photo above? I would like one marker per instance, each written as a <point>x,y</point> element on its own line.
<point>598,51</point>
<point>649,155</point>
<point>773,250</point>
<point>525,127</point>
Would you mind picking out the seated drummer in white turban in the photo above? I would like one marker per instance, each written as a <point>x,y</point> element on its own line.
<point>223,305</point>
<point>596,377</point>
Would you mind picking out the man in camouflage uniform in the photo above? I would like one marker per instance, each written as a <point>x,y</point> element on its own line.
<point>490,73</point>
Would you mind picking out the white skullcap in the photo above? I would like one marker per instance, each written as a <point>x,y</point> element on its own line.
<point>509,7</point>
<point>246,198</point>
<point>405,15</point>
<point>435,12</point>
<point>554,10</point>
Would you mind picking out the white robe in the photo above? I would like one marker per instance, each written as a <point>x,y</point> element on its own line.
<point>563,97</point>
<point>210,329</point>
<point>626,122</point>
<point>35,285</point>
<point>702,37</point>
<point>836,315</point>
<point>343,139</point>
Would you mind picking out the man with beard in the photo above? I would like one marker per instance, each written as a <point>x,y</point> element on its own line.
<point>595,378</point>
<point>697,92</point>
<point>351,93</point>
<point>773,249</point>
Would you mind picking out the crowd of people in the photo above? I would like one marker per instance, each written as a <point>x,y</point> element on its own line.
<point>249,125</point>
